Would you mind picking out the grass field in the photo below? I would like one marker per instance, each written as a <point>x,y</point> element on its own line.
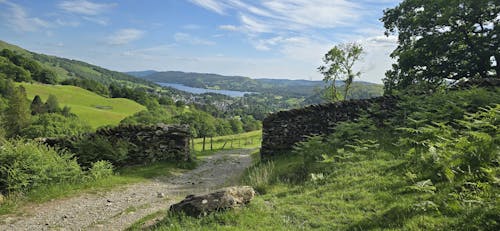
<point>244,140</point>
<point>90,107</point>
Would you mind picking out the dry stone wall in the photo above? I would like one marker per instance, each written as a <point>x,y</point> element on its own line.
<point>283,129</point>
<point>148,143</point>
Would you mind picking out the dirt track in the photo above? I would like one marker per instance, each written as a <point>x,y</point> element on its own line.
<point>119,208</point>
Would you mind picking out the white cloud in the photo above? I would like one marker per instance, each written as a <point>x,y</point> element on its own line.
<point>84,7</point>
<point>69,23</point>
<point>124,36</point>
<point>229,27</point>
<point>212,5</point>
<point>17,18</point>
<point>190,39</point>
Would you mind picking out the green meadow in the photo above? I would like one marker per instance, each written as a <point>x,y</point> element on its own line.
<point>90,107</point>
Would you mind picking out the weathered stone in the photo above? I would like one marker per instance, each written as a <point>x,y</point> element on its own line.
<point>223,199</point>
<point>283,129</point>
<point>146,143</point>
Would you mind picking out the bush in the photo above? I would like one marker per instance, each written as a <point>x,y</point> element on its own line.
<point>55,125</point>
<point>96,148</point>
<point>100,169</point>
<point>28,164</point>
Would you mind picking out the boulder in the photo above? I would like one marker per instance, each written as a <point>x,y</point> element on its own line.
<point>202,205</point>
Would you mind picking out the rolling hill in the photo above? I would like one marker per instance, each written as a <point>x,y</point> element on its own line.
<point>67,68</point>
<point>88,106</point>
<point>282,87</point>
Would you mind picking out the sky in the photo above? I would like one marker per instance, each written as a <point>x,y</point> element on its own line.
<point>253,38</point>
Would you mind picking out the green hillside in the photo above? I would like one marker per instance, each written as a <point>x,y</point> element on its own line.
<point>90,107</point>
<point>68,68</point>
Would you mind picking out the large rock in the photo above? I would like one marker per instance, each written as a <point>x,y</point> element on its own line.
<point>224,199</point>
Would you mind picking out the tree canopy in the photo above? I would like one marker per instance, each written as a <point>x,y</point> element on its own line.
<point>338,66</point>
<point>442,40</point>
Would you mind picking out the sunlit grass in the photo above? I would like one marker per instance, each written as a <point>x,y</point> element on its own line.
<point>88,106</point>
<point>251,139</point>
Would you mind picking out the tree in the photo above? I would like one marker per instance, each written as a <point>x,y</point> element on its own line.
<point>52,105</point>
<point>18,114</point>
<point>338,65</point>
<point>37,106</point>
<point>442,39</point>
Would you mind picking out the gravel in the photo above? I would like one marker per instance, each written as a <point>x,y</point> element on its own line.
<point>121,207</point>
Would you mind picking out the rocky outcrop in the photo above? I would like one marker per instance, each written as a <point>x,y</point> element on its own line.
<point>148,143</point>
<point>283,129</point>
<point>223,199</point>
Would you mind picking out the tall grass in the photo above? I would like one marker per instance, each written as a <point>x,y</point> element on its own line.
<point>260,176</point>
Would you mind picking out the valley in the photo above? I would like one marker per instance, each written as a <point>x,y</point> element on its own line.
<point>249,115</point>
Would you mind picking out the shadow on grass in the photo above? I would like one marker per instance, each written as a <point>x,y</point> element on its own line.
<point>394,218</point>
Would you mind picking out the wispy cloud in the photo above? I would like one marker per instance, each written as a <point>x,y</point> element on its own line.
<point>100,21</point>
<point>229,27</point>
<point>85,7</point>
<point>263,16</point>
<point>193,40</point>
<point>125,36</point>
<point>213,5</point>
<point>17,18</point>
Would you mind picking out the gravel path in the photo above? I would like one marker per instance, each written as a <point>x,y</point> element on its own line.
<point>119,208</point>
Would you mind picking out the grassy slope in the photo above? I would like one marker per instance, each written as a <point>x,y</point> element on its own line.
<point>358,195</point>
<point>244,140</point>
<point>84,103</point>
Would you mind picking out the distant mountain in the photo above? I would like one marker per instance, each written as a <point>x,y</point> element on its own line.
<point>284,87</point>
<point>140,73</point>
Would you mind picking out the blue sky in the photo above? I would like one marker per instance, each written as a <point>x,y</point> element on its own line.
<point>258,38</point>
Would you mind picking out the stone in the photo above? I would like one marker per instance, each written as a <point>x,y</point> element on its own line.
<point>224,199</point>
<point>281,130</point>
<point>160,195</point>
<point>147,143</point>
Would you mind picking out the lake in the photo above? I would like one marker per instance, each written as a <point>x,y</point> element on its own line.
<point>196,90</point>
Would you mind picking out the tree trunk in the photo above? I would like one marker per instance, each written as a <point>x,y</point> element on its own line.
<point>203,146</point>
<point>211,144</point>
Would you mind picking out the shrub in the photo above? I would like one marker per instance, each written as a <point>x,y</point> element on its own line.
<point>100,169</point>
<point>95,148</point>
<point>28,164</point>
<point>55,125</point>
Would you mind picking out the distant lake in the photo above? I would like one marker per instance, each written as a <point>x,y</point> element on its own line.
<point>196,90</point>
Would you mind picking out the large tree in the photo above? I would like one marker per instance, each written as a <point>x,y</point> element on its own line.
<point>18,114</point>
<point>442,40</point>
<point>338,66</point>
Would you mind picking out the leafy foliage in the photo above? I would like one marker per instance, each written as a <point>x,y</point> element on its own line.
<point>339,62</point>
<point>26,164</point>
<point>55,125</point>
<point>98,148</point>
<point>440,40</point>
<point>18,113</point>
